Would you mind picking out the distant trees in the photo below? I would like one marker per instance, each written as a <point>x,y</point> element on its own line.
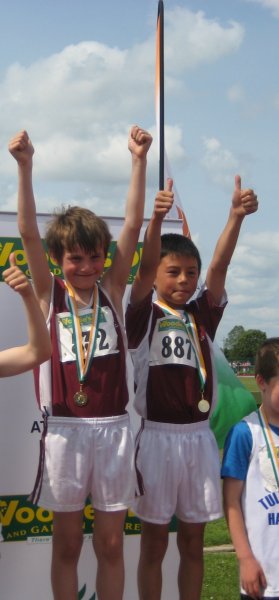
<point>241,345</point>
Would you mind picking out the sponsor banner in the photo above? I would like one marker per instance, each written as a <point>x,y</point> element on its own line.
<point>22,521</point>
<point>14,244</point>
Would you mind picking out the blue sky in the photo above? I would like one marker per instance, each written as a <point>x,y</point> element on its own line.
<point>77,75</point>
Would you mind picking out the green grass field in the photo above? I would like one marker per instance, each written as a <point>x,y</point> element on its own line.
<point>220,568</point>
<point>217,533</point>
<point>220,577</point>
<point>250,383</point>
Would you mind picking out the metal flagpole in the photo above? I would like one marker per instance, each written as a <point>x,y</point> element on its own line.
<point>160,100</point>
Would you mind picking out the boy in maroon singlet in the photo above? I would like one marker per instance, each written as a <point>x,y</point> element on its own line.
<point>88,448</point>
<point>170,343</point>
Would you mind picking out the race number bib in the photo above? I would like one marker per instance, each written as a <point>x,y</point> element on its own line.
<point>106,342</point>
<point>171,344</point>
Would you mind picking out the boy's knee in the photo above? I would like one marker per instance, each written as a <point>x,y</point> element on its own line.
<point>190,546</point>
<point>109,548</point>
<point>154,549</point>
<point>68,547</point>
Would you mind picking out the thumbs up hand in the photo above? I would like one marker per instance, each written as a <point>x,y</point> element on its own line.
<point>12,260</point>
<point>164,200</point>
<point>244,202</point>
<point>15,278</point>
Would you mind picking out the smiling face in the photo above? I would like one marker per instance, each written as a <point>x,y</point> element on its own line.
<point>82,269</point>
<point>176,279</point>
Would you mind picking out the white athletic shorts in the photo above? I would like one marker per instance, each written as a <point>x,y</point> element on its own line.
<point>88,457</point>
<point>180,467</point>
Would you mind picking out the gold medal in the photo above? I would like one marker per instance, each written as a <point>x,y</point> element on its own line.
<point>83,358</point>
<point>80,398</point>
<point>203,405</point>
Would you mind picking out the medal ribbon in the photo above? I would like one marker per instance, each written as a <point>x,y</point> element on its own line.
<point>191,330</point>
<point>84,360</point>
<point>272,450</point>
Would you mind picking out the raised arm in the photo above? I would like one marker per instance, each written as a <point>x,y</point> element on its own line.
<point>252,577</point>
<point>150,259</point>
<point>115,278</point>
<point>38,348</point>
<point>22,150</point>
<point>244,202</point>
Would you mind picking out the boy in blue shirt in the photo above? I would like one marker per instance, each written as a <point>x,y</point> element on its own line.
<point>251,483</point>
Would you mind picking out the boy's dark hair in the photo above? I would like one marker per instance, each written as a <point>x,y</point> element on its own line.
<point>74,227</point>
<point>175,243</point>
<point>267,359</point>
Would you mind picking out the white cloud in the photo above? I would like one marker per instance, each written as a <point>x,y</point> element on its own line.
<point>273,5</point>
<point>252,284</point>
<point>78,105</point>
<point>220,163</point>
<point>198,40</point>
<point>90,88</point>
